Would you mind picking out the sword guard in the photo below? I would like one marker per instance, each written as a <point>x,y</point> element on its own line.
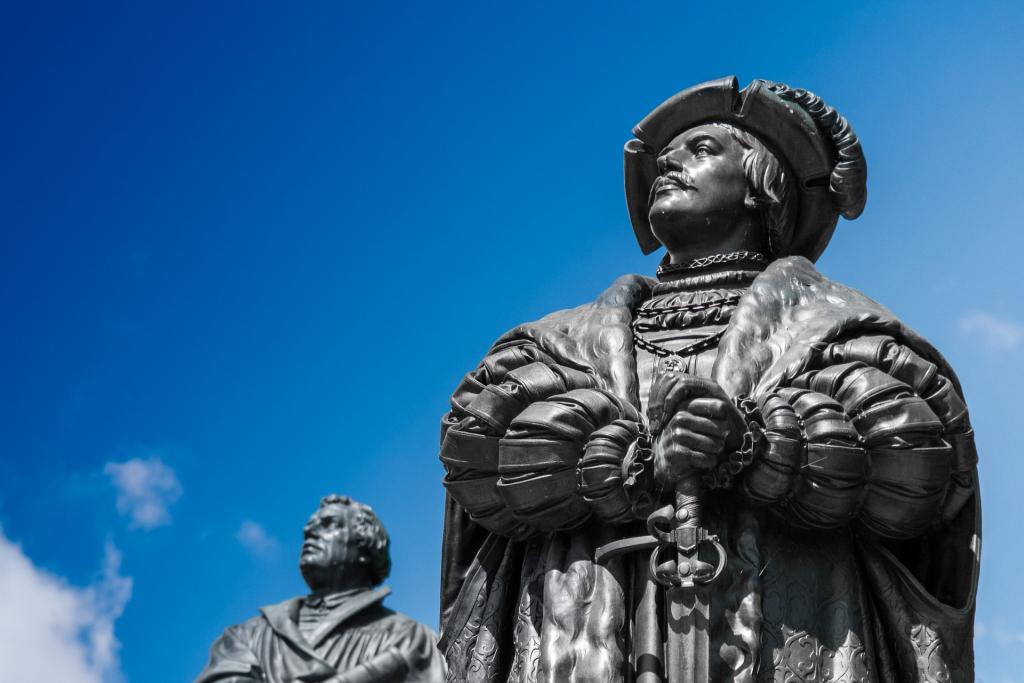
<point>690,570</point>
<point>623,546</point>
<point>675,530</point>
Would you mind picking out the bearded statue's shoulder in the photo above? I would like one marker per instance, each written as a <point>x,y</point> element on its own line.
<point>236,651</point>
<point>381,618</point>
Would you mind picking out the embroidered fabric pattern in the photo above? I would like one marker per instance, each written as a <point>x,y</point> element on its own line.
<point>703,262</point>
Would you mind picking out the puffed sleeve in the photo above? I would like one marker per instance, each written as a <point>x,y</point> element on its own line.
<point>874,433</point>
<point>539,458</point>
<point>938,391</point>
<point>616,473</point>
<point>513,440</point>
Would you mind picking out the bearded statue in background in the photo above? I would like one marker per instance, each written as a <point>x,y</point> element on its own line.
<point>340,632</point>
<point>793,455</point>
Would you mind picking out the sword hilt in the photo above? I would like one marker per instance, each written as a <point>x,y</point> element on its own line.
<point>688,507</point>
<point>679,527</point>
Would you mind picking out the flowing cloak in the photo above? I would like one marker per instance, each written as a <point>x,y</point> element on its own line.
<point>836,605</point>
<point>360,641</point>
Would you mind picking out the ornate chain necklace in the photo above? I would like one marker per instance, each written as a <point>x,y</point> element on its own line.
<point>654,311</point>
<point>662,352</point>
<point>640,324</point>
<point>642,317</point>
<point>713,260</point>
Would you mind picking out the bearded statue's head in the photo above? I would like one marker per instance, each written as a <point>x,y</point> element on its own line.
<point>345,547</point>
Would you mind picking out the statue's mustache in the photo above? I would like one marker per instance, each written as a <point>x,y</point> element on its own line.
<point>679,180</point>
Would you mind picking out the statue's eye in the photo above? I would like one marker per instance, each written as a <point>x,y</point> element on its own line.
<point>703,150</point>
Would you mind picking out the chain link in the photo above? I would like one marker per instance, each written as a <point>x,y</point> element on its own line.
<point>652,311</point>
<point>714,259</point>
<point>662,352</point>
<point>639,325</point>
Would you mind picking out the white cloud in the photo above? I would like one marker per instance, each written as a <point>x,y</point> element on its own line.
<point>995,332</point>
<point>51,631</point>
<point>255,538</point>
<point>145,490</point>
<point>1007,638</point>
<point>1000,634</point>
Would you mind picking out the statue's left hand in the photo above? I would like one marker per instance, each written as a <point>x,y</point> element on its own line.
<point>695,423</point>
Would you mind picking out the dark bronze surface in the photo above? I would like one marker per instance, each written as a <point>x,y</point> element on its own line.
<point>340,632</point>
<point>820,442</point>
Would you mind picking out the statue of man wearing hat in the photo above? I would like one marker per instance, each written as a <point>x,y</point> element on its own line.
<point>739,470</point>
<point>340,632</point>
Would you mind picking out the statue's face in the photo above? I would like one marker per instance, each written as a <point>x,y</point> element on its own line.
<point>701,186</point>
<point>328,548</point>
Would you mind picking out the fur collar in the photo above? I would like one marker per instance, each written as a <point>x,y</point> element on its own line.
<point>789,314</point>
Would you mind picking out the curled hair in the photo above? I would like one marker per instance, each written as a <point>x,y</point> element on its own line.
<point>369,534</point>
<point>769,188</point>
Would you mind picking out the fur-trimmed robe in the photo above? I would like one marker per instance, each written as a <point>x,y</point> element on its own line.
<point>794,605</point>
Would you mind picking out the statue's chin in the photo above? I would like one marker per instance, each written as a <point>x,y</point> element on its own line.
<point>667,209</point>
<point>683,229</point>
<point>672,232</point>
<point>315,574</point>
<point>674,220</point>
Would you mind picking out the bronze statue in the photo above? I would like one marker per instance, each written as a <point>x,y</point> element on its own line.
<point>340,633</point>
<point>738,471</point>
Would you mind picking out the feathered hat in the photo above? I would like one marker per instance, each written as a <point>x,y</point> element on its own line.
<point>815,143</point>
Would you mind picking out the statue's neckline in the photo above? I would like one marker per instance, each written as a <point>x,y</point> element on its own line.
<point>733,279</point>
<point>712,263</point>
<point>331,600</point>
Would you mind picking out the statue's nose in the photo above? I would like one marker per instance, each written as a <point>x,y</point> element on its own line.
<point>673,161</point>
<point>667,162</point>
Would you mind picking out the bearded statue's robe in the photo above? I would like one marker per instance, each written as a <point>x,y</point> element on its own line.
<point>830,578</point>
<point>359,641</point>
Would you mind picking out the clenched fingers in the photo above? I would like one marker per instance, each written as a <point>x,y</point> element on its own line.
<point>699,424</point>
<point>692,441</point>
<point>672,388</point>
<point>713,408</point>
<point>674,460</point>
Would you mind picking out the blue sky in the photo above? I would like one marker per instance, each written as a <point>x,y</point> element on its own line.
<point>248,249</point>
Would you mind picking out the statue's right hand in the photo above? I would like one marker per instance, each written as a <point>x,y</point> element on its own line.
<point>692,441</point>
<point>694,423</point>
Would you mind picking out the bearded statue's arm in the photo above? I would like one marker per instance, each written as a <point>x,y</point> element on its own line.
<point>514,441</point>
<point>872,433</point>
<point>412,657</point>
